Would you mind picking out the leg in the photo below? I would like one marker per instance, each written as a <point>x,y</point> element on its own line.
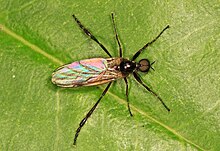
<point>136,76</point>
<point>129,109</point>
<point>89,114</point>
<point>87,32</point>
<point>116,36</point>
<point>149,43</point>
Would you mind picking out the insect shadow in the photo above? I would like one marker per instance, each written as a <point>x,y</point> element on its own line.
<point>96,71</point>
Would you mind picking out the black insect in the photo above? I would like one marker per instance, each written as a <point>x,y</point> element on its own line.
<point>97,71</point>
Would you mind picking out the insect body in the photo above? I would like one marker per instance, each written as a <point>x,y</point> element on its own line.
<point>96,71</point>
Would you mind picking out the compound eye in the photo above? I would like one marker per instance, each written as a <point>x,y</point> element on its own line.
<point>144,65</point>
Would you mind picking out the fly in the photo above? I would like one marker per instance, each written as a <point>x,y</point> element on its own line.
<point>96,71</point>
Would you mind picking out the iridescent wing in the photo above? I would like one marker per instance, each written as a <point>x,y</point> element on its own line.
<point>87,72</point>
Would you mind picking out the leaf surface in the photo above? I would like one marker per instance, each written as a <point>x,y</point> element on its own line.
<point>37,37</point>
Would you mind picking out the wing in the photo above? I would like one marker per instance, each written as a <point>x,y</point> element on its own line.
<point>87,72</point>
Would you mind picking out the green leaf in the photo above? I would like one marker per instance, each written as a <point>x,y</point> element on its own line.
<point>37,37</point>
